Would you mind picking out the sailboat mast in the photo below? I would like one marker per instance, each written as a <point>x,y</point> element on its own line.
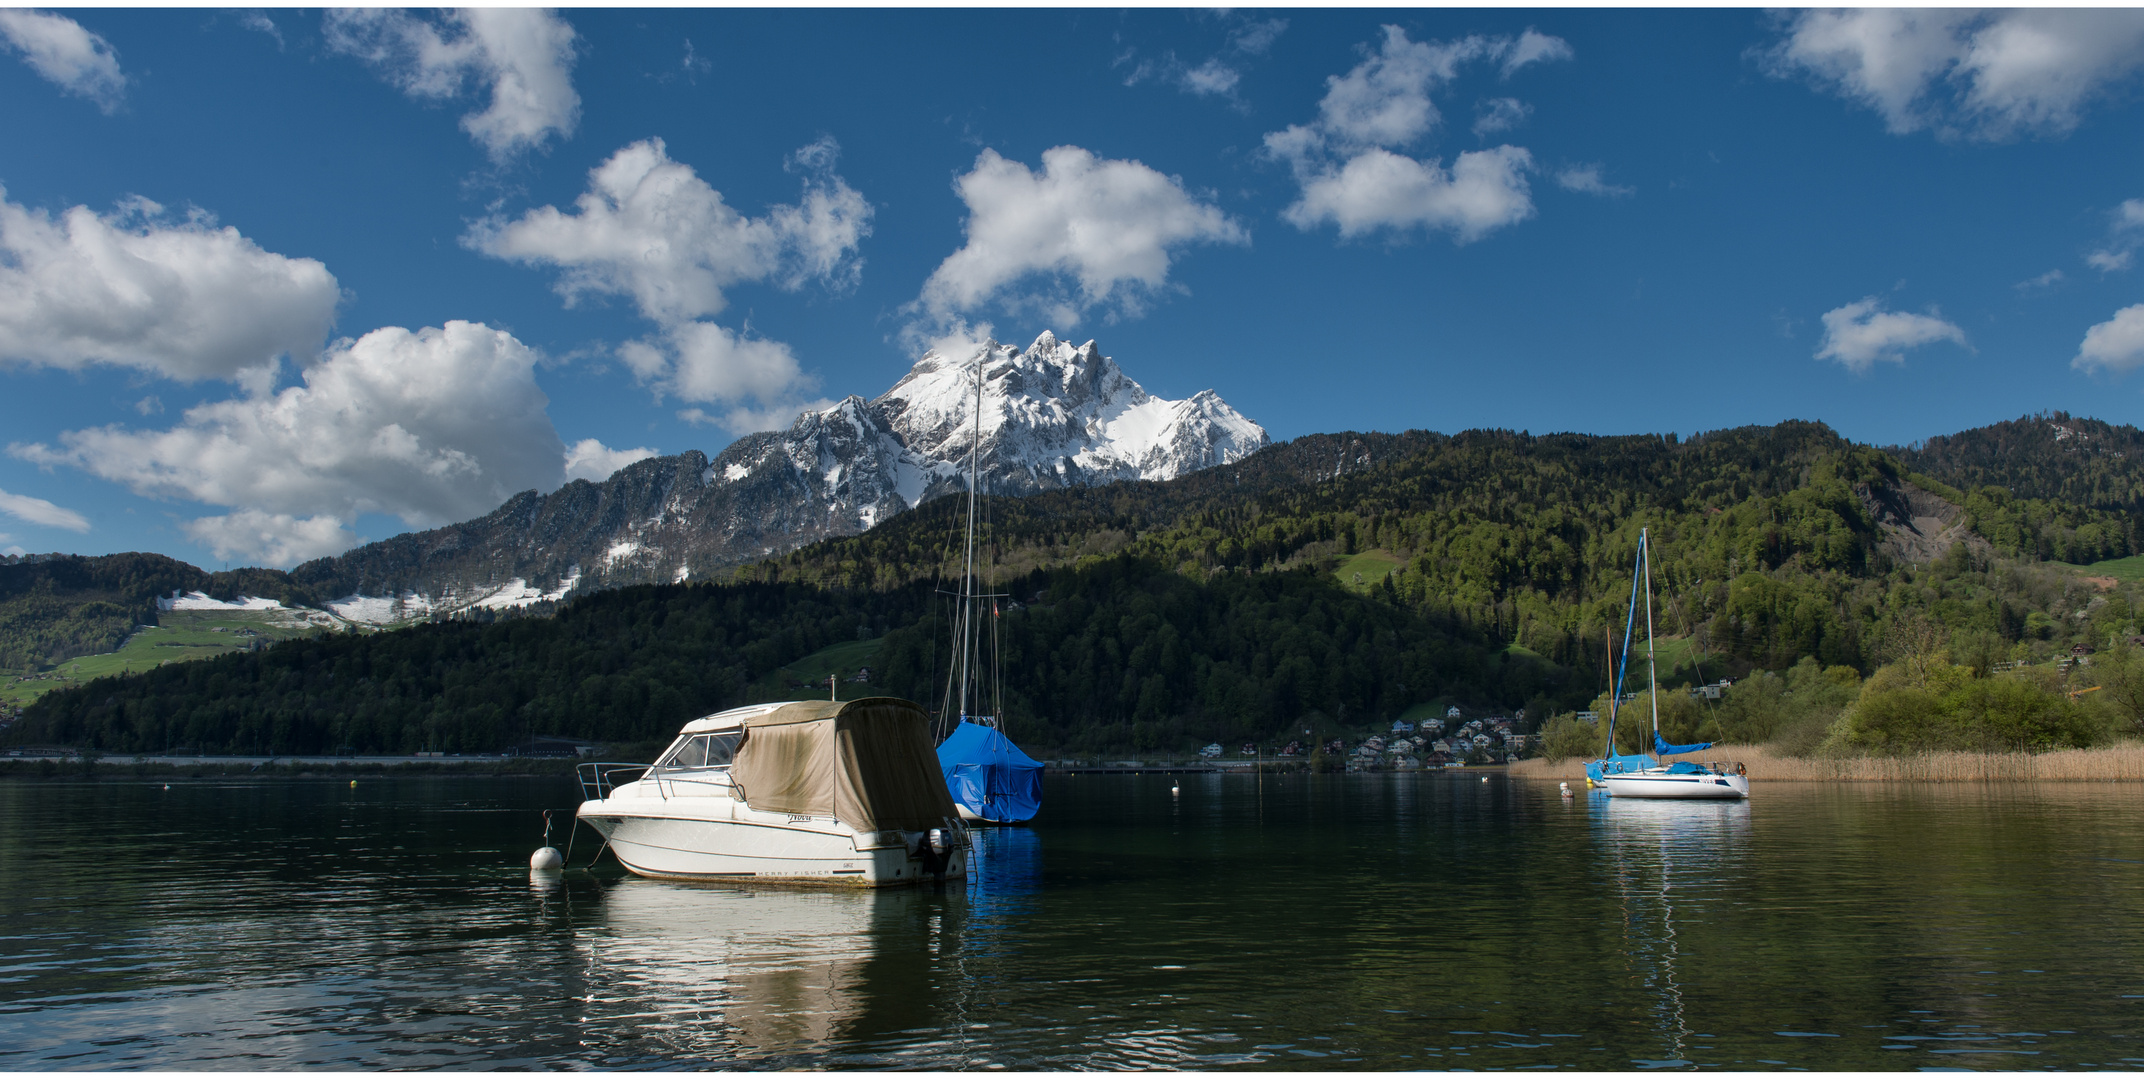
<point>1652,671</point>
<point>967,580</point>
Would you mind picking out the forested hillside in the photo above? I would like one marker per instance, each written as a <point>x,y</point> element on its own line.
<point>1149,615</point>
<point>2049,456</point>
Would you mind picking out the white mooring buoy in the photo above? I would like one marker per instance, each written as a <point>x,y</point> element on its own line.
<point>1484,779</point>
<point>546,858</point>
<point>1172,789</point>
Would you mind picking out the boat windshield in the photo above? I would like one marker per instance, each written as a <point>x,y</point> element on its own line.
<point>709,751</point>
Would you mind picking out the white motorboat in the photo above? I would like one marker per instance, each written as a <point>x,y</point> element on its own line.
<point>828,792</point>
<point>1649,776</point>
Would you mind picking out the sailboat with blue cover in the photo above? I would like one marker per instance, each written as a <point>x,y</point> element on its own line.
<point>991,780</point>
<point>1650,776</point>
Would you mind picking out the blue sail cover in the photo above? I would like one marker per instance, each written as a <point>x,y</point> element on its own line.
<point>1620,763</point>
<point>1661,747</point>
<point>989,775</point>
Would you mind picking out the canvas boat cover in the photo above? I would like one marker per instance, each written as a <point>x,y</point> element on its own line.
<point>866,763</point>
<point>988,774</point>
<point>1663,747</point>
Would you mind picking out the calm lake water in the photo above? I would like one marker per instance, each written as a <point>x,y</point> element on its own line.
<point>1365,922</point>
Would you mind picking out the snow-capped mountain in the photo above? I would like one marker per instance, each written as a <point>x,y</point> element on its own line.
<point>1052,415</point>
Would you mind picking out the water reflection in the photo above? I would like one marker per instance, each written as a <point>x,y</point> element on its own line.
<point>1659,854</point>
<point>712,971</point>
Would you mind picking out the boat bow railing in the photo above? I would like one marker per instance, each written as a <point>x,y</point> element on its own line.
<point>600,778</point>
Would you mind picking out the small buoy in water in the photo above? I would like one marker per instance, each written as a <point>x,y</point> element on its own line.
<point>167,787</point>
<point>1484,779</point>
<point>353,783</point>
<point>546,858</point>
<point>1172,789</point>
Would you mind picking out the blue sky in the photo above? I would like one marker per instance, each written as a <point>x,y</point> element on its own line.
<point>273,283</point>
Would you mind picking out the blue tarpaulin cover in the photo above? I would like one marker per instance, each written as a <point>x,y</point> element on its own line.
<point>989,775</point>
<point>1660,747</point>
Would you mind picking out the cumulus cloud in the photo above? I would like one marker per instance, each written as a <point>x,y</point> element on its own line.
<point>589,459</point>
<point>2125,233</point>
<point>1587,180</point>
<point>1500,114</point>
<point>179,298</point>
<point>432,426</point>
<point>2116,345</point>
<point>1970,74</point>
<point>2041,283</point>
<point>66,54</point>
<point>745,421</point>
<point>271,539</point>
<point>525,57</point>
<point>1085,232</point>
<point>38,511</point>
<point>1215,76</point>
<point>1862,333</point>
<point>1347,160</point>
<point>1533,47</point>
<point>1484,190</point>
<point>649,228</point>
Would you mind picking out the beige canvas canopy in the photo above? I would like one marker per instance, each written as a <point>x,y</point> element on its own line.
<point>868,763</point>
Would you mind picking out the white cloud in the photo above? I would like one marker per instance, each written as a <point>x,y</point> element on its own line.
<point>1346,160</point>
<point>1587,179</point>
<point>68,56</point>
<point>1534,48</point>
<point>524,55</point>
<point>1500,114</point>
<point>1094,231</point>
<point>1861,333</point>
<point>1253,37</point>
<point>271,539</point>
<point>744,421</point>
<point>1976,74</point>
<point>186,300</point>
<point>589,459</point>
<point>40,512</point>
<point>2045,281</point>
<point>648,227</point>
<point>432,426</point>
<point>1213,77</point>
<point>2109,260</point>
<point>2127,230</point>
<point>2115,345</point>
<point>1377,189</point>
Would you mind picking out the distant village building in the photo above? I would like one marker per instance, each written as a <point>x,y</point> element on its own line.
<point>1452,713</point>
<point>1402,727</point>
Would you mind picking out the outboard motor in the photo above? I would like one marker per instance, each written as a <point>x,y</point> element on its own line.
<point>933,850</point>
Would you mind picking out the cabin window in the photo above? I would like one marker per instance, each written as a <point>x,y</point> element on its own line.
<point>703,751</point>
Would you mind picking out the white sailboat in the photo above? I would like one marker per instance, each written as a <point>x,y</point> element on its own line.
<point>991,780</point>
<point>1649,776</point>
<point>828,792</point>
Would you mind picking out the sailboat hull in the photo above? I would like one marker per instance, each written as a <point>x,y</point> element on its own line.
<point>1666,785</point>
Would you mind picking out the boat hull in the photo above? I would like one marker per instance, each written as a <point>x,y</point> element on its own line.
<point>724,840</point>
<point>1665,785</point>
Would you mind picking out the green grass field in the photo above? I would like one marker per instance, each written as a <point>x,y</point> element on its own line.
<point>181,635</point>
<point>788,682</point>
<point>2129,569</point>
<point>1362,572</point>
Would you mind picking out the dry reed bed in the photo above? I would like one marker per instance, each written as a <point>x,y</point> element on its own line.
<point>2123,761</point>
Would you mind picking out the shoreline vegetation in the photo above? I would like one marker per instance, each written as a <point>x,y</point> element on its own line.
<point>2114,762</point>
<point>123,768</point>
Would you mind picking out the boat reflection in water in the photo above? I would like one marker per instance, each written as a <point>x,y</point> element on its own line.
<point>804,978</point>
<point>720,972</point>
<point>1667,863</point>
